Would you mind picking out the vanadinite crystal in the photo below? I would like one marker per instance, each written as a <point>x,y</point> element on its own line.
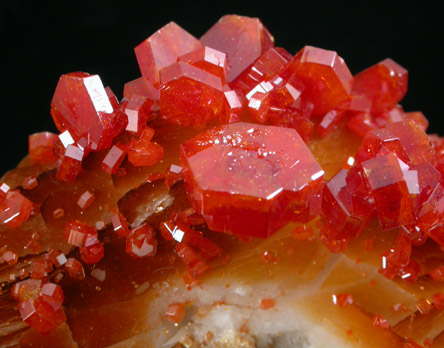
<point>162,49</point>
<point>190,96</point>
<point>243,39</point>
<point>81,105</point>
<point>249,179</point>
<point>114,168</point>
<point>326,77</point>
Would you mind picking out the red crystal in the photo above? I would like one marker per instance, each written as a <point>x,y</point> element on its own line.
<point>419,119</point>
<point>30,182</point>
<point>330,122</point>
<point>208,59</point>
<point>342,300</point>
<point>175,312</point>
<point>243,39</point>
<point>92,253</point>
<point>71,163</point>
<point>141,87</point>
<point>41,147</point>
<point>267,303</point>
<point>138,110</point>
<point>91,115</point>
<point>264,68</point>
<point>380,322</point>
<point>424,306</point>
<point>361,124</point>
<point>437,274</point>
<point>346,204</point>
<point>40,269</point>
<point>144,153</point>
<point>114,158</point>
<point>326,77</point>
<point>236,173</point>
<point>232,108</point>
<point>173,175</point>
<point>57,258</point>
<point>190,96</point>
<point>259,105</point>
<point>438,300</point>
<point>80,234</point>
<point>120,225</point>
<point>14,209</point>
<point>25,290</point>
<point>141,241</point>
<point>41,316</point>
<point>10,257</point>
<point>390,191</point>
<point>162,49</point>
<point>405,139</point>
<point>75,268</point>
<point>196,265</point>
<point>86,199</point>
<point>385,84</point>
<point>53,294</point>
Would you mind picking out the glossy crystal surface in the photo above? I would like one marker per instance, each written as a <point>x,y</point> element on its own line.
<point>249,179</point>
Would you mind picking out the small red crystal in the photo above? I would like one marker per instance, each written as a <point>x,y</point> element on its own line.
<point>41,316</point>
<point>346,204</point>
<point>86,199</point>
<point>404,138</point>
<point>390,191</point>
<point>14,209</point>
<point>92,253</point>
<point>243,39</point>
<point>175,312</point>
<point>138,110</point>
<point>141,87</point>
<point>114,158</point>
<point>80,234</point>
<point>144,153</point>
<point>70,165</point>
<point>232,108</point>
<point>75,268</point>
<point>236,173</point>
<point>196,265</point>
<point>342,300</point>
<point>270,63</point>
<point>53,294</point>
<point>25,290</point>
<point>141,241</point>
<point>10,257</point>
<point>190,96</point>
<point>385,84</point>
<point>208,59</point>
<point>91,115</point>
<point>259,106</point>
<point>120,225</point>
<point>162,49</point>
<point>380,322</point>
<point>438,300</point>
<point>41,147</point>
<point>267,303</point>
<point>40,269</point>
<point>325,75</point>
<point>30,182</point>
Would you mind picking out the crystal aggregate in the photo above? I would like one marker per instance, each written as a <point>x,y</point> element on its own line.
<point>250,171</point>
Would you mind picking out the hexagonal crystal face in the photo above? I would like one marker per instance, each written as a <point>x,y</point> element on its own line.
<point>250,179</point>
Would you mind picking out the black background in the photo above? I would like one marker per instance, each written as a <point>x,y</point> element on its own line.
<point>42,40</point>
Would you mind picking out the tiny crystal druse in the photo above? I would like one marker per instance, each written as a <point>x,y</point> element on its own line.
<point>251,111</point>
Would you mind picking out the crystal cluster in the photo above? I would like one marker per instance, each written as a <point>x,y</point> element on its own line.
<point>249,172</point>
